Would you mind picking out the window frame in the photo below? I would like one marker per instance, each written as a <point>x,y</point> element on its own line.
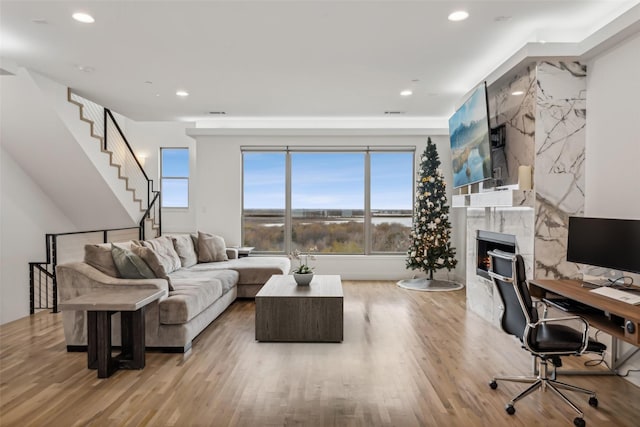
<point>288,213</point>
<point>175,178</point>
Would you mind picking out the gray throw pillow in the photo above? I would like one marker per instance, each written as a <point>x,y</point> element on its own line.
<point>130,265</point>
<point>183,245</point>
<point>154,263</point>
<point>99,257</point>
<point>211,248</point>
<point>167,255</point>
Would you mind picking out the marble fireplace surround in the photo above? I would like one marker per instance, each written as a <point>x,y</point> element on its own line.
<point>519,222</point>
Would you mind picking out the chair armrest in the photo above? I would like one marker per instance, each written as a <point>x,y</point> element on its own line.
<point>232,253</point>
<point>584,331</point>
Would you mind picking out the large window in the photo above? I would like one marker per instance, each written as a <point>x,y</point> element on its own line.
<point>174,177</point>
<point>391,201</point>
<point>347,202</point>
<point>264,200</point>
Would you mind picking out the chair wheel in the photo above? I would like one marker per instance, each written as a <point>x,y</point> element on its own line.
<point>493,384</point>
<point>511,410</point>
<point>579,422</point>
<point>593,402</point>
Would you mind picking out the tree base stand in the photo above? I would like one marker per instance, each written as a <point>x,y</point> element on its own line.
<point>426,285</point>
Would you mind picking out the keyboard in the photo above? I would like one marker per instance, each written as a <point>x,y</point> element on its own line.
<point>618,295</point>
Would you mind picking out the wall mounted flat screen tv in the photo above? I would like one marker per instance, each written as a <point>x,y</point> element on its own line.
<point>470,142</point>
<point>605,242</point>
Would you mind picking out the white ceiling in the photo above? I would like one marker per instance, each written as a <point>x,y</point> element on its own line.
<point>284,58</point>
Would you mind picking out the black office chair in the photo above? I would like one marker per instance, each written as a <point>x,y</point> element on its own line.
<point>545,338</point>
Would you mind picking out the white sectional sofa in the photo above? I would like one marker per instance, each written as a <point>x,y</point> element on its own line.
<point>198,292</point>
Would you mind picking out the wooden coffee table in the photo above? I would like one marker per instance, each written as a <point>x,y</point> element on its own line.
<point>288,312</point>
<point>100,305</point>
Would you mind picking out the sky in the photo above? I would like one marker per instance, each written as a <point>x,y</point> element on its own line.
<point>328,180</point>
<point>175,163</point>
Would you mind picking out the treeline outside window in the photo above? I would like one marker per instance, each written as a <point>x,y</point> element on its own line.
<point>351,201</point>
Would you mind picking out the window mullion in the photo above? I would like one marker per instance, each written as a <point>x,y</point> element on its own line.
<point>367,203</point>
<point>287,211</point>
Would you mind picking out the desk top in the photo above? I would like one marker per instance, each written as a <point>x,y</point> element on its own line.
<point>573,289</point>
<point>618,319</point>
<point>113,300</point>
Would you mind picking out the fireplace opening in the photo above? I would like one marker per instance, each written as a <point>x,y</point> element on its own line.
<point>487,241</point>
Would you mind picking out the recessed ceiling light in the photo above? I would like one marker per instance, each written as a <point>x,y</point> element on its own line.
<point>517,92</point>
<point>182,93</point>
<point>542,41</point>
<point>458,15</point>
<point>406,92</point>
<point>85,68</point>
<point>83,17</point>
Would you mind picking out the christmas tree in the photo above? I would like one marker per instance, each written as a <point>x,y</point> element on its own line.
<point>430,249</point>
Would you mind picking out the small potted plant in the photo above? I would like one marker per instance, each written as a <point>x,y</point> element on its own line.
<point>303,274</point>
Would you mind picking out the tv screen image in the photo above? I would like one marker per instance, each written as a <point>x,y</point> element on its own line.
<point>470,142</point>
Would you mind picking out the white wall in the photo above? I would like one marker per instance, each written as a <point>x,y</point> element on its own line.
<point>219,197</point>
<point>146,139</point>
<point>613,142</point>
<point>26,215</point>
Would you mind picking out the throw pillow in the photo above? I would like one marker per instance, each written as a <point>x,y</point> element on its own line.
<point>211,248</point>
<point>129,265</point>
<point>183,245</point>
<point>99,257</point>
<point>154,263</point>
<point>167,255</point>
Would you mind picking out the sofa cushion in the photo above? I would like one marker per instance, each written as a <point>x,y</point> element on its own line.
<point>166,254</point>
<point>183,244</point>
<point>228,278</point>
<point>99,257</point>
<point>153,261</point>
<point>130,265</point>
<point>211,248</point>
<point>253,270</point>
<point>192,294</point>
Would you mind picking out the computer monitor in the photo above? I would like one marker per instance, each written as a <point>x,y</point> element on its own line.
<point>605,242</point>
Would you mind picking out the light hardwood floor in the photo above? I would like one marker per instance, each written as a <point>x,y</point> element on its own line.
<point>408,359</point>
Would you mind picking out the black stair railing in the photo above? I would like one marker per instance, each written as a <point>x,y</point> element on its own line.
<point>116,142</point>
<point>43,287</point>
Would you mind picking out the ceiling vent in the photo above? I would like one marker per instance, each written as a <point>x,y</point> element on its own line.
<point>217,113</point>
<point>394,113</point>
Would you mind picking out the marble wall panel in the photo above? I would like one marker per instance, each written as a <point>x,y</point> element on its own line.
<point>517,113</point>
<point>560,123</point>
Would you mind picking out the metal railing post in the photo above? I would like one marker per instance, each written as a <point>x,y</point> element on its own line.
<point>31,290</point>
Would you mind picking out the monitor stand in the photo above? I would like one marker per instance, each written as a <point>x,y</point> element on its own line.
<point>595,283</point>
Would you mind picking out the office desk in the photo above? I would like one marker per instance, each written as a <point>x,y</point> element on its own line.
<point>619,319</point>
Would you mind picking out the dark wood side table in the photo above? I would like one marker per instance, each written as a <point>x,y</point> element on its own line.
<point>100,305</point>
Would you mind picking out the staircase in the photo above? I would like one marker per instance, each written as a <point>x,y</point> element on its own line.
<point>104,130</point>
